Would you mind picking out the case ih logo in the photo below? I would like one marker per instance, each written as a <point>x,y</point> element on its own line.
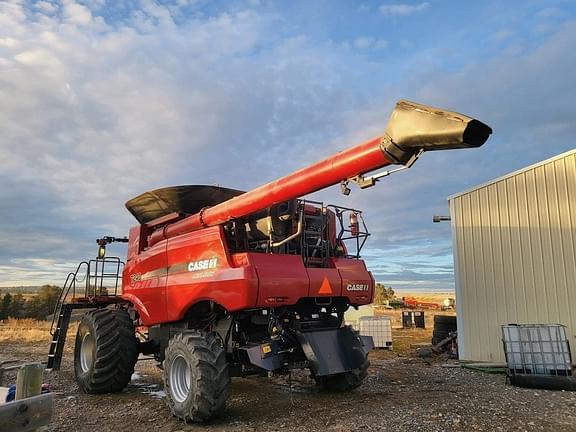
<point>135,277</point>
<point>203,264</point>
<point>357,287</point>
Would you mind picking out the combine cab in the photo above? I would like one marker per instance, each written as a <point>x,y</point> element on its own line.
<point>221,283</point>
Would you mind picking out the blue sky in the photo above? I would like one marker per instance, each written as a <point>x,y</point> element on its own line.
<point>103,100</point>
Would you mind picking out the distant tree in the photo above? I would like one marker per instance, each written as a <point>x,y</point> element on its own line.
<point>43,303</point>
<point>382,294</point>
<point>38,307</point>
<point>18,307</point>
<point>5,306</point>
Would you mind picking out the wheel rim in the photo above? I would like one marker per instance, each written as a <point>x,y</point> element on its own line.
<point>87,351</point>
<point>180,379</point>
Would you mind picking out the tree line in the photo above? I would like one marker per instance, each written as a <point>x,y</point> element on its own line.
<point>38,307</point>
<point>382,294</point>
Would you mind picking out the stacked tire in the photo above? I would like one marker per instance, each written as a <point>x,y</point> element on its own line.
<point>443,326</point>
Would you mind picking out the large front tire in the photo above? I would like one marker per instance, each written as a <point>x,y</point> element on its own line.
<point>196,378</point>
<point>344,382</point>
<point>105,352</point>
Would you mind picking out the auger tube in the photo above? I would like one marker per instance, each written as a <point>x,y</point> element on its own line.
<point>412,127</point>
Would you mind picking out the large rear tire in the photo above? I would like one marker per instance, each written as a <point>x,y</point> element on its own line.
<point>196,378</point>
<point>344,382</point>
<point>105,352</point>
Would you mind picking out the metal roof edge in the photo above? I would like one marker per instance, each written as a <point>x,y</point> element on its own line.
<point>512,174</point>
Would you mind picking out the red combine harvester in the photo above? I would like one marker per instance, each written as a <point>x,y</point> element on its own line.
<point>221,283</point>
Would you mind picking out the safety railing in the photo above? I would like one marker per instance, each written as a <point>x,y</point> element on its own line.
<point>94,278</point>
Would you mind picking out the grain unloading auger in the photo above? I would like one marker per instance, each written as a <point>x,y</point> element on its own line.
<point>222,283</point>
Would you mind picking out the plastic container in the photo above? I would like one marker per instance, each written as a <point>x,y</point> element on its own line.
<point>407,319</point>
<point>419,321</point>
<point>537,349</point>
<point>379,327</point>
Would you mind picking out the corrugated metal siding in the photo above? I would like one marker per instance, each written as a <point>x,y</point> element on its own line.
<point>515,255</point>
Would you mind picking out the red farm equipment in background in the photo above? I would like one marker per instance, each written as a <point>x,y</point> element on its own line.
<point>414,303</point>
<point>221,283</point>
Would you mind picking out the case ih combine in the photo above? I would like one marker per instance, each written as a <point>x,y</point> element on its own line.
<point>221,283</point>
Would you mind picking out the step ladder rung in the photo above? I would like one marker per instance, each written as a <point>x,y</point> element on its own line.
<point>59,336</point>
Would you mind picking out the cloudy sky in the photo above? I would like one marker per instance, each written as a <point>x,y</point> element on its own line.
<point>101,100</point>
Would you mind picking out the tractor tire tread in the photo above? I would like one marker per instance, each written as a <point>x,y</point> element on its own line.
<point>211,378</point>
<point>116,351</point>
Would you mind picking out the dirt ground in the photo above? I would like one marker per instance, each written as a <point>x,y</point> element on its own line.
<point>402,393</point>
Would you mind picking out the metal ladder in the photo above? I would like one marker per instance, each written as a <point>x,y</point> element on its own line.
<point>314,243</point>
<point>59,337</point>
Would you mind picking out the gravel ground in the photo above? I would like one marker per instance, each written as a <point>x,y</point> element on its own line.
<point>400,394</point>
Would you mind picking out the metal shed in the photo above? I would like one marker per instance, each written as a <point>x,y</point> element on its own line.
<point>514,242</point>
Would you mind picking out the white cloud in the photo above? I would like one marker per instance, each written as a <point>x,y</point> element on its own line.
<point>77,14</point>
<point>370,43</point>
<point>32,272</point>
<point>403,9</point>
<point>8,42</point>
<point>104,114</point>
<point>45,6</point>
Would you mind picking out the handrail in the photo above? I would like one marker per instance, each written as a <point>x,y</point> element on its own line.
<point>93,281</point>
<point>70,283</point>
<point>96,274</point>
<point>360,237</point>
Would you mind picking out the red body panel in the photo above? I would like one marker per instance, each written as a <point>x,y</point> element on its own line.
<point>355,278</point>
<point>144,281</point>
<point>233,288</point>
<point>282,279</point>
<point>324,282</point>
<point>164,281</point>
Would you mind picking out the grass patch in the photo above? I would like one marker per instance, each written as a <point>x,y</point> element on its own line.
<point>24,330</point>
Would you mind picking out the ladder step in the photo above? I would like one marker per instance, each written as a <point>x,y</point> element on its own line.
<point>59,336</point>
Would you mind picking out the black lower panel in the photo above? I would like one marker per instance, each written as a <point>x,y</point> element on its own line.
<point>335,351</point>
<point>327,352</point>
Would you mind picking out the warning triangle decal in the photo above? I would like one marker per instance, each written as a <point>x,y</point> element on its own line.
<point>325,288</point>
